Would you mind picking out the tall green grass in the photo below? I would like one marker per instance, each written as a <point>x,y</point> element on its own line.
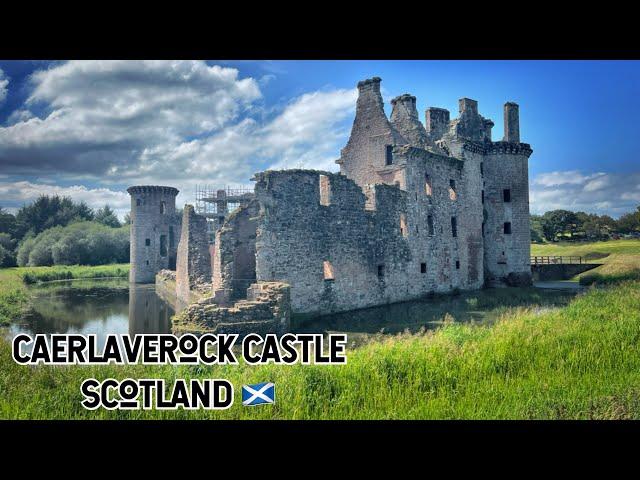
<point>577,362</point>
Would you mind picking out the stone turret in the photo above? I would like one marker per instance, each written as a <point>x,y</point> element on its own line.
<point>153,231</point>
<point>511,122</point>
<point>404,117</point>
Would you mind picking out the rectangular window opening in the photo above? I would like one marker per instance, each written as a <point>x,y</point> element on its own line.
<point>506,195</point>
<point>423,268</point>
<point>403,225</point>
<point>325,191</point>
<point>452,190</point>
<point>171,238</point>
<point>427,185</point>
<point>147,242</point>
<point>328,271</point>
<point>507,228</point>
<point>163,245</point>
<point>430,224</point>
<point>380,271</point>
<point>454,227</point>
<point>389,155</point>
<point>457,264</point>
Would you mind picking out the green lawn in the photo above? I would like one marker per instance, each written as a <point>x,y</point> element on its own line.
<point>621,258</point>
<point>576,362</point>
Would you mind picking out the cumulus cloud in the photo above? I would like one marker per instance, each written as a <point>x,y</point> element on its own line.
<point>4,86</point>
<point>602,193</point>
<point>99,116</point>
<point>23,192</point>
<point>129,122</point>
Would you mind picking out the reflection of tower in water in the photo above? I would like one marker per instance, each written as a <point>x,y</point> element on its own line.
<point>148,313</point>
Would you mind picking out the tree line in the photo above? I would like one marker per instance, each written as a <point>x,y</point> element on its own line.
<point>558,225</point>
<point>55,230</point>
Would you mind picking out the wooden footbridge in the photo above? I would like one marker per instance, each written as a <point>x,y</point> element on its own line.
<point>558,267</point>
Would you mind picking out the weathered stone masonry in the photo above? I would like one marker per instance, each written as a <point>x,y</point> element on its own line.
<point>416,208</point>
<point>193,265</point>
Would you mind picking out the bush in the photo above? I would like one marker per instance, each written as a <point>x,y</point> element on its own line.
<point>82,243</point>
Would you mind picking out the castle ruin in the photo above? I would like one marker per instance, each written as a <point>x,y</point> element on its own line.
<point>415,209</point>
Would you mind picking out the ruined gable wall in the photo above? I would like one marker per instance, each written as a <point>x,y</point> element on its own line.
<point>297,234</point>
<point>371,132</point>
<point>193,263</point>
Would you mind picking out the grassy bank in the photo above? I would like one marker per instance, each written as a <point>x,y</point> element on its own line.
<point>581,361</point>
<point>620,258</point>
<point>14,297</point>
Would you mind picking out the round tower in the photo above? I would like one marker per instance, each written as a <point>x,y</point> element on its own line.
<point>153,231</point>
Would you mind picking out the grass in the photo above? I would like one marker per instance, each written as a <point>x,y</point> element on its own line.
<point>581,361</point>
<point>14,297</point>
<point>620,259</point>
<point>577,362</point>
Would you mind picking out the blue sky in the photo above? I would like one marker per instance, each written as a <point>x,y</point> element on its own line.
<point>90,129</point>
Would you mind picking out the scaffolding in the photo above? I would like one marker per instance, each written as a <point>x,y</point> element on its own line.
<point>216,203</point>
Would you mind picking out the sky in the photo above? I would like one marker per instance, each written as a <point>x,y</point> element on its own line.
<point>90,129</point>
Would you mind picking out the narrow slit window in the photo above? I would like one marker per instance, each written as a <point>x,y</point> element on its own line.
<point>427,185</point>
<point>507,228</point>
<point>457,264</point>
<point>506,195</point>
<point>163,207</point>
<point>481,168</point>
<point>483,196</point>
<point>325,191</point>
<point>163,245</point>
<point>423,268</point>
<point>328,271</point>
<point>403,225</point>
<point>380,271</point>
<point>147,242</point>
<point>454,227</point>
<point>389,155</point>
<point>430,224</point>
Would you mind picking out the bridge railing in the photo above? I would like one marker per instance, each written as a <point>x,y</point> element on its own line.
<point>556,260</point>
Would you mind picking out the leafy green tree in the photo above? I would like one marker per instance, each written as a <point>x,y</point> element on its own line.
<point>629,222</point>
<point>558,222</point>
<point>535,223</point>
<point>7,222</point>
<point>107,216</point>
<point>47,212</point>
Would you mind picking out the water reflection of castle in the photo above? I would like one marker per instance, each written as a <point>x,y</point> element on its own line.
<point>147,312</point>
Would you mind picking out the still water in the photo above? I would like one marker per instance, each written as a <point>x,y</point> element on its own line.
<point>114,306</point>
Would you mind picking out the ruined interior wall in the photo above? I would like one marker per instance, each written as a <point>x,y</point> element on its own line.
<point>505,254</point>
<point>235,253</point>
<point>297,234</point>
<point>193,263</point>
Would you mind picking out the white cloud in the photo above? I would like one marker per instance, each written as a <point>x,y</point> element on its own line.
<point>602,193</point>
<point>100,115</point>
<point>4,86</point>
<point>570,177</point>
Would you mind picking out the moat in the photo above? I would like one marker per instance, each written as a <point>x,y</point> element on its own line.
<point>115,307</point>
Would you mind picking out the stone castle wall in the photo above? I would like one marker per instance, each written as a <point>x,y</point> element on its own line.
<point>193,265</point>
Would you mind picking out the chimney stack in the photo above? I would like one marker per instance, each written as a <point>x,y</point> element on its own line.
<point>511,122</point>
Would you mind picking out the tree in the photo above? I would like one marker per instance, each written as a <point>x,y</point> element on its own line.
<point>107,216</point>
<point>7,222</point>
<point>629,222</point>
<point>47,212</point>
<point>535,224</point>
<point>558,222</point>
<point>127,219</point>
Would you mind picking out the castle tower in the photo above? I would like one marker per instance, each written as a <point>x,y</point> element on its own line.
<point>153,231</point>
